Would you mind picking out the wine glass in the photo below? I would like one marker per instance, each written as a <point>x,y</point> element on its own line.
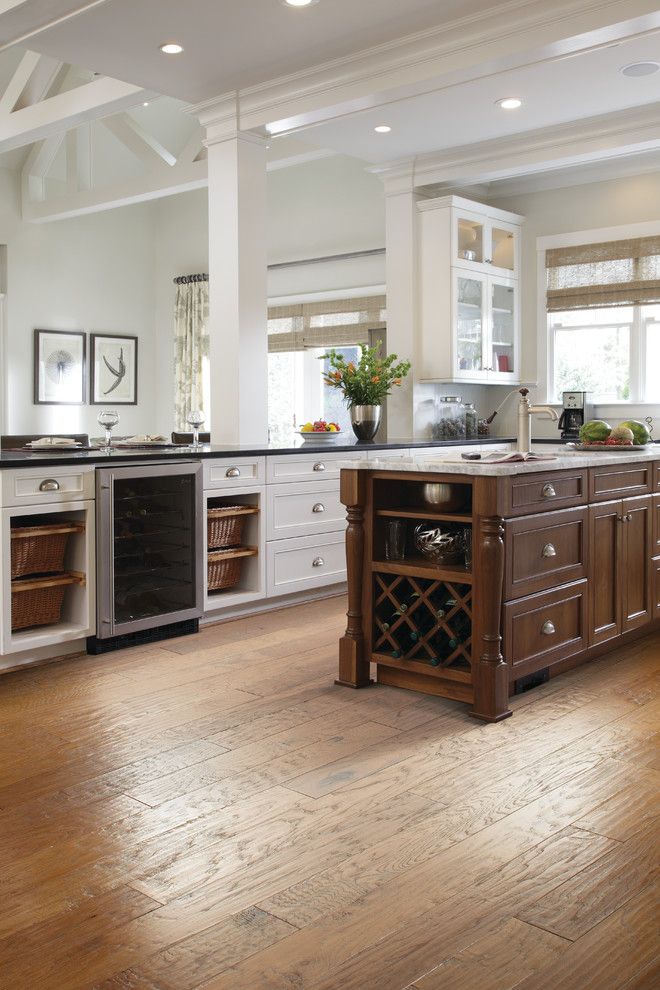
<point>108,419</point>
<point>195,419</point>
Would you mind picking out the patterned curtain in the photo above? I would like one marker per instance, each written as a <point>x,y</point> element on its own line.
<point>191,347</point>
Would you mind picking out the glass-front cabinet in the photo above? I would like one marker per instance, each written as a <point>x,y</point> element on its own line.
<point>469,292</point>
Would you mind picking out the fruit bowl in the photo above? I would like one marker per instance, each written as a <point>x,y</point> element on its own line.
<point>319,430</point>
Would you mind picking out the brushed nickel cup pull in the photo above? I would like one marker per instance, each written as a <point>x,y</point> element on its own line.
<point>49,485</point>
<point>629,517</point>
<point>548,491</point>
<point>232,473</point>
<point>319,507</point>
<point>548,628</point>
<point>319,466</point>
<point>318,562</point>
<point>549,550</point>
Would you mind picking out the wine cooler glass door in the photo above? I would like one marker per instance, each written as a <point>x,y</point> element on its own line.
<point>151,547</point>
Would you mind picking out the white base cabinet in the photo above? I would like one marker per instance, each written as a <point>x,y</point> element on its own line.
<point>296,565</point>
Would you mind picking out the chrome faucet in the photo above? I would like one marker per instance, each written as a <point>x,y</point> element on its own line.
<point>525,413</point>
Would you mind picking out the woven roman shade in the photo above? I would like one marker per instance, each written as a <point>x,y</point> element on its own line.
<point>614,273</point>
<point>337,323</point>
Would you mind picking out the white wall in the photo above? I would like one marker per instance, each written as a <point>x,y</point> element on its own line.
<point>93,273</point>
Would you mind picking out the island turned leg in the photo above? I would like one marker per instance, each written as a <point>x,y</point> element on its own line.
<point>353,662</point>
<point>490,672</point>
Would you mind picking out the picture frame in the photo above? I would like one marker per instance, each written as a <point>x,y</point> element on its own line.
<point>60,367</point>
<point>114,364</point>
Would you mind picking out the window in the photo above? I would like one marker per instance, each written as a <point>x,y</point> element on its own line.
<point>298,336</point>
<point>603,303</point>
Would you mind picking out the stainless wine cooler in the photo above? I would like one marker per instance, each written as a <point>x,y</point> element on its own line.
<point>150,547</point>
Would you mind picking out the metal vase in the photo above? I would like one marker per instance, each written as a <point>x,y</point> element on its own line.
<point>365,421</point>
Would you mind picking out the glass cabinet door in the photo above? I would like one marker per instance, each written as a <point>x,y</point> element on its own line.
<point>503,247</point>
<point>503,303</point>
<point>470,239</point>
<point>470,327</point>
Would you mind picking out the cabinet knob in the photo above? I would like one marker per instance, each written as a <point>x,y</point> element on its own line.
<point>49,485</point>
<point>318,507</point>
<point>548,628</point>
<point>488,261</point>
<point>548,491</point>
<point>549,550</point>
<point>319,466</point>
<point>318,562</point>
<point>233,472</point>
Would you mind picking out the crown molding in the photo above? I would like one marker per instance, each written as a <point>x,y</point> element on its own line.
<point>592,139</point>
<point>467,47</point>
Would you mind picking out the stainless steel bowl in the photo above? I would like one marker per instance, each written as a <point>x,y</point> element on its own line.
<point>443,497</point>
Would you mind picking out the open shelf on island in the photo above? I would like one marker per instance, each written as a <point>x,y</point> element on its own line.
<point>426,513</point>
<point>420,567</point>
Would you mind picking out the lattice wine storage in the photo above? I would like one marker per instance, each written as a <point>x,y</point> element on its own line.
<point>422,621</point>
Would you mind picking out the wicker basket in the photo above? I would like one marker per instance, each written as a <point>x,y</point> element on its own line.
<point>225,525</point>
<point>40,549</point>
<point>224,567</point>
<point>38,603</point>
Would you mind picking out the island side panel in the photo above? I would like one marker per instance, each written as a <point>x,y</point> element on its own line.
<point>490,671</point>
<point>354,659</point>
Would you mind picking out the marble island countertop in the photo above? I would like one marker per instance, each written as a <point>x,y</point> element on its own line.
<point>452,463</point>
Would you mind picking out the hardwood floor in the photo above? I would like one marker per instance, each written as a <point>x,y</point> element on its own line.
<point>213,812</point>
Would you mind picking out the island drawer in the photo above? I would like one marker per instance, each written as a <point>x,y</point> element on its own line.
<point>304,509</point>
<point>544,551</point>
<point>29,486</point>
<point>619,481</point>
<point>655,564</point>
<point>233,473</point>
<point>545,628</point>
<point>525,494</point>
<point>656,524</point>
<point>304,563</point>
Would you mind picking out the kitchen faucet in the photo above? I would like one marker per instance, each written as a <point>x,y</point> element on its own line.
<point>525,413</point>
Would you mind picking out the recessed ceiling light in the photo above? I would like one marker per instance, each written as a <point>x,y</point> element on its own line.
<point>171,48</point>
<point>509,103</point>
<point>299,3</point>
<point>146,103</point>
<point>383,129</point>
<point>636,69</point>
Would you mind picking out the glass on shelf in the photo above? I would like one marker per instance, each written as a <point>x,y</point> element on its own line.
<point>195,419</point>
<point>395,544</point>
<point>470,240</point>
<point>471,421</point>
<point>108,419</point>
<point>449,418</point>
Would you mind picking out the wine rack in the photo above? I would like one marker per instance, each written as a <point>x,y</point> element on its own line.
<point>423,621</point>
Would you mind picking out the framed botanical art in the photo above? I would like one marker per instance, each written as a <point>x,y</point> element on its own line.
<point>60,367</point>
<point>114,369</point>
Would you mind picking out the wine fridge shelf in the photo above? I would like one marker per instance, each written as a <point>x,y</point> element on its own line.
<point>423,624</point>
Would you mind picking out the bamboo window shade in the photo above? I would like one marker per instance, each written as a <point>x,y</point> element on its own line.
<point>614,273</point>
<point>334,323</point>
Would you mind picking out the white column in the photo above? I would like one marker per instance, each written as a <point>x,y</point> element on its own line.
<point>401,271</point>
<point>237,283</point>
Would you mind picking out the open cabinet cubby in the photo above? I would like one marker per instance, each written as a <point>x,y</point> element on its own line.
<point>245,556</point>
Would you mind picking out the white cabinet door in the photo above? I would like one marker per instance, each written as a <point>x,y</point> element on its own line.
<point>304,509</point>
<point>306,563</point>
<point>319,467</point>
<point>237,472</point>
<point>41,486</point>
<point>503,330</point>
<point>470,325</point>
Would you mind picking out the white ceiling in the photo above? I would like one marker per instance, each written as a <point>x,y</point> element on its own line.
<point>228,43</point>
<point>553,92</point>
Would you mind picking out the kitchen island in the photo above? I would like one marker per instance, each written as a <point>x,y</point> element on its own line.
<point>565,566</point>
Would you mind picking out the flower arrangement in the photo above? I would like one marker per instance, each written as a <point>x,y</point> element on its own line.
<point>368,382</point>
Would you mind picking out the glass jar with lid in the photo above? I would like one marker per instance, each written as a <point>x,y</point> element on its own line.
<point>449,418</point>
<point>471,422</point>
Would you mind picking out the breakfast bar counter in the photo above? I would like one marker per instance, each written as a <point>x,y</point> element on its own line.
<point>510,572</point>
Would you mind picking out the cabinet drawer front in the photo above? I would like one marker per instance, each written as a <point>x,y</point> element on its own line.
<point>544,629</point>
<point>320,467</point>
<point>305,509</point>
<point>656,476</point>
<point>309,562</point>
<point>552,489</point>
<point>619,480</point>
<point>30,487</point>
<point>544,551</point>
<point>656,524</point>
<point>234,473</point>
<point>655,563</point>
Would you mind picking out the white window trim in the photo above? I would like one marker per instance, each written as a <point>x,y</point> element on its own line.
<point>545,340</point>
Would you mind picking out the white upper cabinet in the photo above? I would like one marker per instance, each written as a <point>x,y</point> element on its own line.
<point>469,292</point>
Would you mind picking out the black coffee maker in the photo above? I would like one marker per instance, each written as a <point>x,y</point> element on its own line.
<point>574,415</point>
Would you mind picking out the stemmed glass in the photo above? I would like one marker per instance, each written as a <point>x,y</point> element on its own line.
<point>108,419</point>
<point>195,419</point>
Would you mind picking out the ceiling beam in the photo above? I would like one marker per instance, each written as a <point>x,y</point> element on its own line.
<point>138,141</point>
<point>18,82</point>
<point>92,100</point>
<point>46,79</point>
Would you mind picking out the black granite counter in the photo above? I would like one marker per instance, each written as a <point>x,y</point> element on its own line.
<point>17,459</point>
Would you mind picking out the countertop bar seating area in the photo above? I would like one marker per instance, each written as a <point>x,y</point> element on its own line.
<point>329,495</point>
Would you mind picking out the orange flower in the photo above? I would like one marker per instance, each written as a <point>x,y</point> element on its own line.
<point>337,376</point>
<point>375,379</point>
<point>350,367</point>
<point>397,381</point>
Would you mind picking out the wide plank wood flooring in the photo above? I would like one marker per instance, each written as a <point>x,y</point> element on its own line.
<point>213,812</point>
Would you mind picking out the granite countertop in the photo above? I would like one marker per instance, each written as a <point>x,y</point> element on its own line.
<point>14,459</point>
<point>454,464</point>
